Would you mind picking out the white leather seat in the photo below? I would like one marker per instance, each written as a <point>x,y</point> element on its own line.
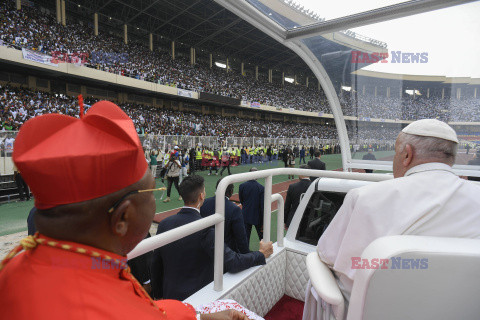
<point>441,281</point>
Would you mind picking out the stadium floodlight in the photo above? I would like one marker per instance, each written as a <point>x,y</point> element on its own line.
<point>412,92</point>
<point>220,65</point>
<point>289,80</point>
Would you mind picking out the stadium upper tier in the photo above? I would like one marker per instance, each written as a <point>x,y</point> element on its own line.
<point>17,105</point>
<point>29,28</point>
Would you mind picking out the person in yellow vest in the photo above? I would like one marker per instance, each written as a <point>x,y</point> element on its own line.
<point>198,159</point>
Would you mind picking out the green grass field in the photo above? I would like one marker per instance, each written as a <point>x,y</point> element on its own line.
<point>13,215</point>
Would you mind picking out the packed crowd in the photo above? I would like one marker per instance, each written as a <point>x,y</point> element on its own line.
<point>31,29</point>
<point>409,108</point>
<point>17,105</point>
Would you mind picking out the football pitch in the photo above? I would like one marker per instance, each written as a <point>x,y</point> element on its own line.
<point>13,215</point>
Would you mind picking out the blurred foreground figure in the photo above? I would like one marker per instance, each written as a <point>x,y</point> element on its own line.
<point>426,198</point>
<point>95,203</point>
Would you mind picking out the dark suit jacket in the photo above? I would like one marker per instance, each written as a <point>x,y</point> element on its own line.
<point>183,267</point>
<point>292,201</point>
<point>140,266</point>
<point>251,196</point>
<point>31,222</point>
<point>235,235</point>
<point>316,164</point>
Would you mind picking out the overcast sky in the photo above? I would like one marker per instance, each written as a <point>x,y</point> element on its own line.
<point>451,36</point>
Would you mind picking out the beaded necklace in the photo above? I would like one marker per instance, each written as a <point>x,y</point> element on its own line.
<point>31,242</point>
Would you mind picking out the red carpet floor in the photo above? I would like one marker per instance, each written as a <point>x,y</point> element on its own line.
<point>286,309</point>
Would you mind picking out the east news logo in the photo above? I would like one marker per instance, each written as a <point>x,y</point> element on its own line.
<point>392,263</point>
<point>396,57</point>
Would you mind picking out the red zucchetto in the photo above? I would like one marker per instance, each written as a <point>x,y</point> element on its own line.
<point>67,160</point>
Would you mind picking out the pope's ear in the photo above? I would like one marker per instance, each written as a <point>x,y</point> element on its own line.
<point>408,155</point>
<point>119,218</point>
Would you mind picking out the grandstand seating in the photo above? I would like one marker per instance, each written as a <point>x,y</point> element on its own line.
<point>29,28</point>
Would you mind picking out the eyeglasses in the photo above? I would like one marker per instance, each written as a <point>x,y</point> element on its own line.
<point>117,203</point>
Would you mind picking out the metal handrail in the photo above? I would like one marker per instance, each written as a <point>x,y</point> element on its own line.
<point>218,219</point>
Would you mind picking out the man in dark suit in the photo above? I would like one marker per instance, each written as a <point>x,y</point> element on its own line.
<point>183,267</point>
<point>294,193</point>
<point>235,236</point>
<point>251,196</point>
<point>316,163</point>
<point>369,156</point>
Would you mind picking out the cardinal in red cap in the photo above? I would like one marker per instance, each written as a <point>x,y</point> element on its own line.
<point>94,195</point>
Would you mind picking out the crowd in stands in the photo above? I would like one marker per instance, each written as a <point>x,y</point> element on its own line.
<point>32,29</point>
<point>29,28</point>
<point>411,108</point>
<point>17,105</point>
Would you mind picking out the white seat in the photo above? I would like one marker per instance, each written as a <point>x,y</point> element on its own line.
<point>444,285</point>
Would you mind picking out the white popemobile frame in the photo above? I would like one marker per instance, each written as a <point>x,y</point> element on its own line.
<point>218,219</point>
<point>293,39</point>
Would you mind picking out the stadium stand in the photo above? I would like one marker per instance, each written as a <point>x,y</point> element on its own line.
<point>30,29</point>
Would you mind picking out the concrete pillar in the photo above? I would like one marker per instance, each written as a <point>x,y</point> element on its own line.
<point>150,41</point>
<point>192,56</point>
<point>95,24</point>
<point>59,12</point>
<point>388,92</point>
<point>125,34</point>
<point>211,61</point>
<point>306,82</point>
<point>173,50</point>
<point>270,75</point>
<point>19,4</point>
<point>64,15</point>
<point>32,82</point>
<point>256,72</point>
<point>475,93</point>
<point>83,91</point>
<point>428,92</point>
<point>228,66</point>
<point>363,90</point>
<point>242,71</point>
<point>375,91</point>
<point>459,93</point>
<point>443,93</point>
<point>283,78</point>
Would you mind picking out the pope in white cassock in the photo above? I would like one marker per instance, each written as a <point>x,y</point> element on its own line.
<point>425,198</point>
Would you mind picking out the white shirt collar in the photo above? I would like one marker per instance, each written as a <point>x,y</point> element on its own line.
<point>186,207</point>
<point>431,166</point>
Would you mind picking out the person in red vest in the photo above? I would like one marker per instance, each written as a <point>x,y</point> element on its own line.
<point>95,202</point>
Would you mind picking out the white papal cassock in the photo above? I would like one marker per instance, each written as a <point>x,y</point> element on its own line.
<point>430,200</point>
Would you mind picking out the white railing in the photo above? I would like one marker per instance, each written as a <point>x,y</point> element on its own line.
<point>218,219</point>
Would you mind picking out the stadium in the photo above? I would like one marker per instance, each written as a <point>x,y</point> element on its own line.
<point>244,98</point>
